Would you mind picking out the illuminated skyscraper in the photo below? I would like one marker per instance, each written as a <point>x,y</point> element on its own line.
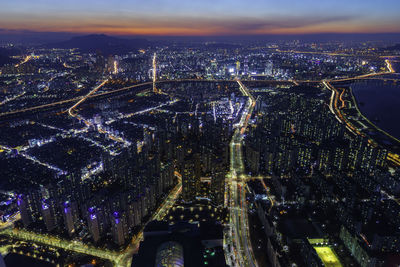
<point>118,228</point>
<point>94,224</point>
<point>48,214</point>
<point>24,210</point>
<point>68,218</point>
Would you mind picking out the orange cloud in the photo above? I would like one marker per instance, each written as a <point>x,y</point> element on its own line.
<point>200,26</point>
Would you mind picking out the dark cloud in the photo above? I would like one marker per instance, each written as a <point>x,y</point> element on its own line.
<point>272,24</point>
<point>224,24</point>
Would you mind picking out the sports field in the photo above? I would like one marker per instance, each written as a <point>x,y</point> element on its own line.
<point>328,257</point>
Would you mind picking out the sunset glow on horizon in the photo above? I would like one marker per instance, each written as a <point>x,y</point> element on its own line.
<point>175,17</point>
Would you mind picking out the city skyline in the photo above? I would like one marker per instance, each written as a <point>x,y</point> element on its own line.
<point>178,18</point>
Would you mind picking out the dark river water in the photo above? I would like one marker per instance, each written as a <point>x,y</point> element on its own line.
<point>379,101</point>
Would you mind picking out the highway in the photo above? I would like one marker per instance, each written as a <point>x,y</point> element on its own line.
<point>26,59</point>
<point>240,253</point>
<point>68,245</point>
<point>71,109</point>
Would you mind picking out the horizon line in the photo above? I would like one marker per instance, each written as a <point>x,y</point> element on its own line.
<point>4,31</point>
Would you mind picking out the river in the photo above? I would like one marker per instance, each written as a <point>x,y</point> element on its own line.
<point>379,101</point>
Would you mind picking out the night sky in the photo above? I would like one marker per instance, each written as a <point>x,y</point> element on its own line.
<point>201,17</point>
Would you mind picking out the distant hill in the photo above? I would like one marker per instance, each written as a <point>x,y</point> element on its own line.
<point>100,42</point>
